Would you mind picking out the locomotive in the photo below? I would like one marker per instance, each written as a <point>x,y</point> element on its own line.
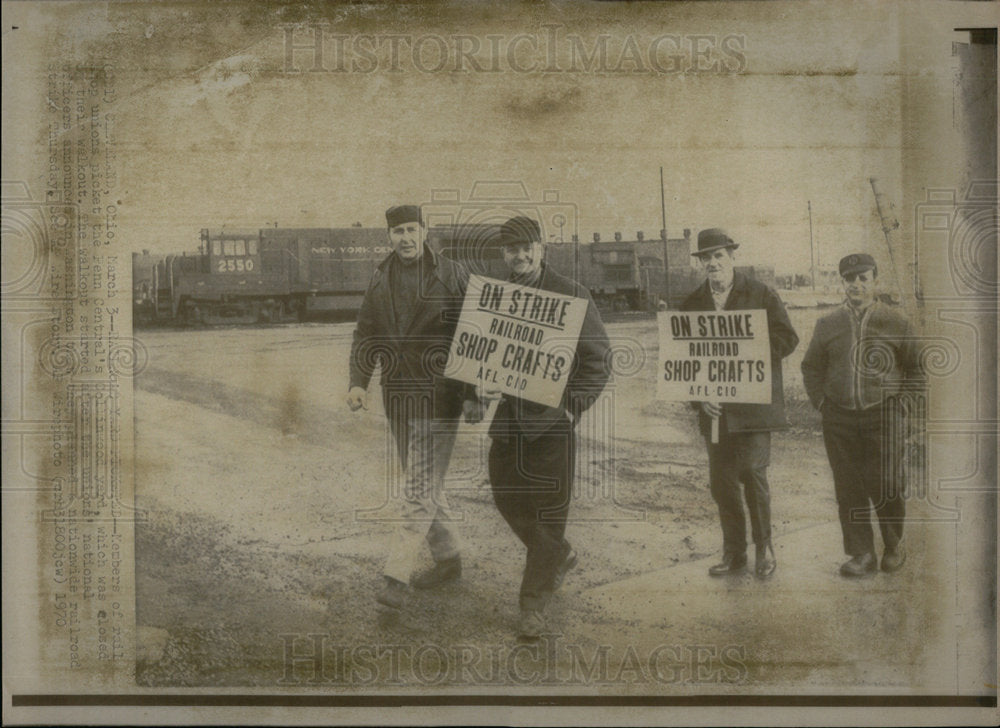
<point>288,274</point>
<point>622,276</point>
<point>266,275</point>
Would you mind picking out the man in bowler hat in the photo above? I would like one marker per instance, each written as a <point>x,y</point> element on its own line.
<point>743,451</point>
<point>531,461</point>
<point>859,354</point>
<point>409,312</point>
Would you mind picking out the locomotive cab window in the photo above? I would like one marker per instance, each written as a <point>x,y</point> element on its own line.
<point>234,256</point>
<point>234,247</point>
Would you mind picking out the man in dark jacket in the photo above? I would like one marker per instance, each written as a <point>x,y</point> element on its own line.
<point>534,447</point>
<point>744,448</point>
<point>859,356</point>
<point>405,325</point>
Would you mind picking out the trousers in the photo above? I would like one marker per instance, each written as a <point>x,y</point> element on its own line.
<point>854,446</point>
<point>424,445</point>
<point>741,458</point>
<point>532,483</point>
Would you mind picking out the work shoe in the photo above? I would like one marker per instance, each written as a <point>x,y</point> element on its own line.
<point>441,573</point>
<point>564,566</point>
<point>731,564</point>
<point>893,559</point>
<point>393,594</point>
<point>859,566</point>
<point>766,563</point>
<point>531,625</point>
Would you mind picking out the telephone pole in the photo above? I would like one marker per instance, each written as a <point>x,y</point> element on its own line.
<point>666,251</point>
<point>812,250</point>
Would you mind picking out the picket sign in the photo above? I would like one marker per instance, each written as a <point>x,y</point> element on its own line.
<point>516,340</point>
<point>714,356</point>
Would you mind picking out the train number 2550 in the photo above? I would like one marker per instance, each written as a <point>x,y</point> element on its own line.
<point>235,265</point>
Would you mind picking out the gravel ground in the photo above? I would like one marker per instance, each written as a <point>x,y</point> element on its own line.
<point>264,496</point>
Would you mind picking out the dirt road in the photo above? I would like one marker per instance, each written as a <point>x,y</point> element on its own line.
<point>265,538</point>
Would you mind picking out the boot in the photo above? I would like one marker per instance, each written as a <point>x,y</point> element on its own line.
<point>531,625</point>
<point>859,565</point>
<point>731,564</point>
<point>893,558</point>
<point>766,563</point>
<point>393,594</point>
<point>441,573</point>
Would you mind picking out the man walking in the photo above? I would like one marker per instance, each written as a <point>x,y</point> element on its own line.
<point>409,312</point>
<point>744,448</point>
<point>532,458</point>
<point>858,355</point>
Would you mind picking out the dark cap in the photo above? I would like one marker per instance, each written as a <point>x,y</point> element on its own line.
<point>402,214</point>
<point>713,239</point>
<point>520,230</point>
<point>857,262</point>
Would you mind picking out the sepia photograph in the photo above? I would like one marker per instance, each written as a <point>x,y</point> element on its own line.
<point>500,363</point>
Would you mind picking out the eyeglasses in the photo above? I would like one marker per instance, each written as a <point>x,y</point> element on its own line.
<point>864,277</point>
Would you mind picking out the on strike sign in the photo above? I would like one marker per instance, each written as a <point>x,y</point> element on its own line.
<point>516,339</point>
<point>714,356</point>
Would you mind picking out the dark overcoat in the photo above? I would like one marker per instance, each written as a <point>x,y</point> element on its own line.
<point>413,358</point>
<point>589,374</point>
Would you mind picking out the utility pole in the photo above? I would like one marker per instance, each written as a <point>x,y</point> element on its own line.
<point>890,226</point>
<point>663,203</point>
<point>812,250</point>
<point>666,252</point>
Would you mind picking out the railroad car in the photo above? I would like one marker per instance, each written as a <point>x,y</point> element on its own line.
<point>143,294</point>
<point>266,275</point>
<point>610,271</point>
<point>285,274</point>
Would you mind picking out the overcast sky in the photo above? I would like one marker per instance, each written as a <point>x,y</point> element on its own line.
<point>803,105</point>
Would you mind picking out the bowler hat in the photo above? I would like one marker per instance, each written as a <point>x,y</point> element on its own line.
<point>857,262</point>
<point>401,214</point>
<point>713,239</point>
<point>520,230</point>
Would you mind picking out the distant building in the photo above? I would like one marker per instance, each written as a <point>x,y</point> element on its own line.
<point>827,278</point>
<point>678,250</point>
<point>633,269</point>
<point>763,273</point>
<point>650,253</point>
<point>620,273</point>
